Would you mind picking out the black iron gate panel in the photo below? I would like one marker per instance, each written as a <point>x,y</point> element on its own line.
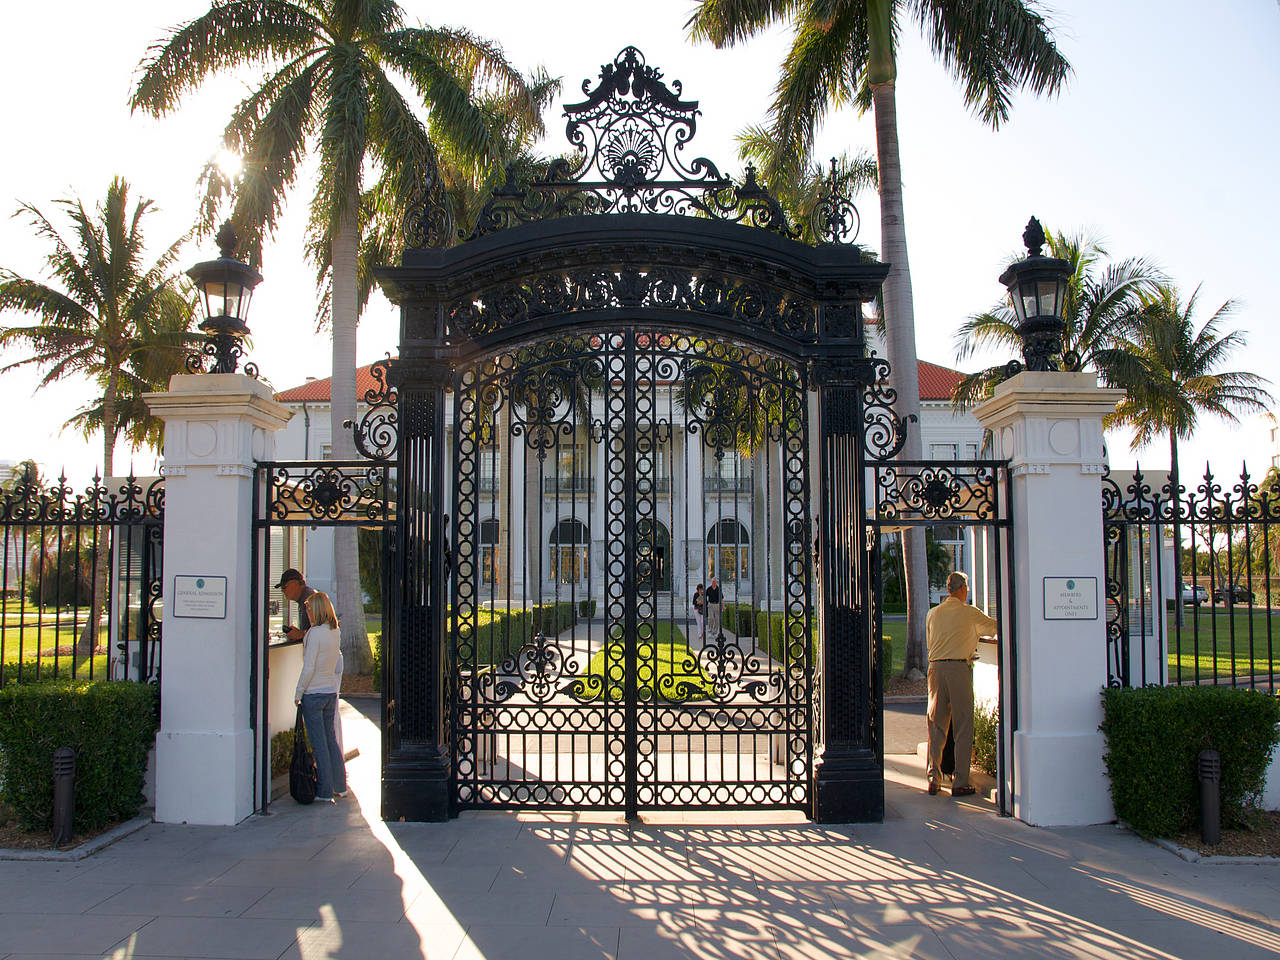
<point>297,504</point>
<point>598,480</point>
<point>81,578</point>
<point>1191,579</point>
<point>967,506</point>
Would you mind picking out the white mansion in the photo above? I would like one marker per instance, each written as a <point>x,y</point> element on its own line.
<point>715,515</point>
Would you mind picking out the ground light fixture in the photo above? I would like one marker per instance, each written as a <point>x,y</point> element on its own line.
<point>226,286</point>
<point>1038,287</point>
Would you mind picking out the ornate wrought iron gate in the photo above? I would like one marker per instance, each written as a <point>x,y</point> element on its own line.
<point>967,505</point>
<point>613,473</point>
<point>633,309</point>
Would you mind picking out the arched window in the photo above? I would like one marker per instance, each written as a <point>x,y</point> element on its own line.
<point>489,537</point>
<point>570,545</point>
<point>728,551</point>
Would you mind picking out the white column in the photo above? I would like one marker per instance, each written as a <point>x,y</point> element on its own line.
<point>216,427</point>
<point>1049,426</point>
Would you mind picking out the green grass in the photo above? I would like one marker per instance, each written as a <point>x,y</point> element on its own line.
<point>1204,625</point>
<point>47,628</point>
<point>895,653</point>
<point>671,668</point>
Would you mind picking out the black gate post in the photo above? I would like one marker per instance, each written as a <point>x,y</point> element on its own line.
<point>848,780</point>
<point>415,768</point>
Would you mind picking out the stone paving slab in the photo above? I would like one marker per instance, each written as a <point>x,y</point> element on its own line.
<point>940,878</point>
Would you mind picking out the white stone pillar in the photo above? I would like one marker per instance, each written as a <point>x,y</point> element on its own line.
<point>1049,426</point>
<point>216,427</point>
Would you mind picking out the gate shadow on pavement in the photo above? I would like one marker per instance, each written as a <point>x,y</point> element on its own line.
<point>943,879</point>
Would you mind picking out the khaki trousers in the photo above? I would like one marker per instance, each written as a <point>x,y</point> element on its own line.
<point>951,701</point>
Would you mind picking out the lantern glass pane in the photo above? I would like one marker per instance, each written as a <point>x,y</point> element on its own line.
<point>215,293</point>
<point>1048,298</point>
<point>233,299</point>
<point>1028,306</point>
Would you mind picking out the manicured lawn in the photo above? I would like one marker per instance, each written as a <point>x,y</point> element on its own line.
<point>41,631</point>
<point>675,670</point>
<point>1205,641</point>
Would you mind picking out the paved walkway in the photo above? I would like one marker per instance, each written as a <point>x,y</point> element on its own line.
<point>940,878</point>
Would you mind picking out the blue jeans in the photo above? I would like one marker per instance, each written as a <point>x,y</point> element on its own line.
<point>318,711</point>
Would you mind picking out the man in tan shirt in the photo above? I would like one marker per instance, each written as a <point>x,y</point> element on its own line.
<point>951,632</point>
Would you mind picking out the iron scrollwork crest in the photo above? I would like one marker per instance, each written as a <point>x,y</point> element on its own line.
<point>377,432</point>
<point>628,139</point>
<point>719,295</point>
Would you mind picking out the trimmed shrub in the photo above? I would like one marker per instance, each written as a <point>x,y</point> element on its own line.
<point>500,633</point>
<point>111,725</point>
<point>739,619</point>
<point>986,728</point>
<point>586,609</point>
<point>1153,735</point>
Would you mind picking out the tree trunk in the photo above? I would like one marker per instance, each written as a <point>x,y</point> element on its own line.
<point>900,340</point>
<point>1174,498</point>
<point>88,640</point>
<point>349,602</point>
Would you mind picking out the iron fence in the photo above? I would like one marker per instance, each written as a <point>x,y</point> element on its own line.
<point>80,579</point>
<point>1191,589</point>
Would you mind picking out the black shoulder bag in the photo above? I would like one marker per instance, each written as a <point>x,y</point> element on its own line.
<point>302,769</point>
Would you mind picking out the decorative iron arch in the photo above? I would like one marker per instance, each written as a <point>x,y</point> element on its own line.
<point>630,236</point>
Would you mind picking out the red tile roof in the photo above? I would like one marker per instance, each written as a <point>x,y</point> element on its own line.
<point>936,383</point>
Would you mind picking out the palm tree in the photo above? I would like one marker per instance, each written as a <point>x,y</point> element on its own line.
<point>1175,378</point>
<point>332,85</point>
<point>1266,542</point>
<point>108,318</point>
<point>844,51</point>
<point>1099,308</point>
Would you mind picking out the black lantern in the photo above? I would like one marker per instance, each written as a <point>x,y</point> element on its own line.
<point>1038,287</point>
<point>225,286</point>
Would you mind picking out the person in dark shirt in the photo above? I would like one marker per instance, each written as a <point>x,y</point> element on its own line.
<point>714,608</point>
<point>296,591</point>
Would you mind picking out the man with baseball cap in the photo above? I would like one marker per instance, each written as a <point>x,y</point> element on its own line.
<point>296,591</point>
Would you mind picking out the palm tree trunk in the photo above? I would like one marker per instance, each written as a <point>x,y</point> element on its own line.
<point>1175,498</point>
<point>88,640</point>
<point>356,654</point>
<point>900,337</point>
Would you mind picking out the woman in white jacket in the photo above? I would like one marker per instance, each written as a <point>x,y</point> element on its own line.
<point>317,694</point>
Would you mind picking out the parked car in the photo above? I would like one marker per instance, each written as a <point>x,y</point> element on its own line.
<point>1239,594</point>
<point>1193,596</point>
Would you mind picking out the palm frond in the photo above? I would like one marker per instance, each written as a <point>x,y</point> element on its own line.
<point>228,36</point>
<point>726,23</point>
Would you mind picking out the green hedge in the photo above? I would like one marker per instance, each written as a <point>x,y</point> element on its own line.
<point>1153,735</point>
<point>111,725</point>
<point>586,609</point>
<point>508,631</point>
<point>739,619</point>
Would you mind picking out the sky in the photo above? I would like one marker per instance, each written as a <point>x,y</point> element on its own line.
<point>1164,145</point>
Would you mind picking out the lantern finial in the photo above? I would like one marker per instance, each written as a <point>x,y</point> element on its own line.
<point>1033,237</point>
<point>227,240</point>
